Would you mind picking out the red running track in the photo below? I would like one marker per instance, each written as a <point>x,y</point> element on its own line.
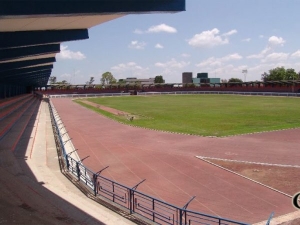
<point>167,162</point>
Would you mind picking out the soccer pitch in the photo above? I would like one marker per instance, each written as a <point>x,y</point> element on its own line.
<point>207,115</point>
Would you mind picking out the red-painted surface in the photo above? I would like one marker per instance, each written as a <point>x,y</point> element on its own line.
<point>173,173</point>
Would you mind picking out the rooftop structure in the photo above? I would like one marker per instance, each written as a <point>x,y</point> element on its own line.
<point>31,32</point>
<point>134,80</point>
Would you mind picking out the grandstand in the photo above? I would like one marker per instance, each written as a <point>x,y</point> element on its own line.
<point>257,86</point>
<point>30,35</point>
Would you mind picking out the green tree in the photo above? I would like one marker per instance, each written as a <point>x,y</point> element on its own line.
<point>107,78</point>
<point>91,81</point>
<point>159,80</point>
<point>290,74</point>
<point>280,73</point>
<point>62,82</point>
<point>52,80</point>
<point>121,81</point>
<point>264,77</point>
<point>235,80</point>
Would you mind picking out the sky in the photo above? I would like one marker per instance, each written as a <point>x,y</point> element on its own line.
<point>219,37</point>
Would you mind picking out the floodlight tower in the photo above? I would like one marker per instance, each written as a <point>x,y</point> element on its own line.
<point>245,74</point>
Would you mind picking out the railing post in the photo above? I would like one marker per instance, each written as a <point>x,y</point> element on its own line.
<point>180,216</point>
<point>153,213</point>
<point>183,210</point>
<point>95,176</point>
<point>132,195</point>
<point>113,189</point>
<point>78,170</point>
<point>270,217</point>
<point>129,200</point>
<point>67,162</point>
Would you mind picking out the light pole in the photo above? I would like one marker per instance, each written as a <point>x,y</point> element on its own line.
<point>293,85</point>
<point>245,74</point>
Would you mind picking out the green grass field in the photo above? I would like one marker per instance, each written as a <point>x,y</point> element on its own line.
<point>207,115</point>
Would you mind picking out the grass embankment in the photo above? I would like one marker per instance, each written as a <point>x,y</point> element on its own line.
<point>207,115</point>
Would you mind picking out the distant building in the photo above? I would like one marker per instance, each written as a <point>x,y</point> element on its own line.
<point>202,75</point>
<point>214,80</point>
<point>202,78</point>
<point>187,77</point>
<point>134,80</point>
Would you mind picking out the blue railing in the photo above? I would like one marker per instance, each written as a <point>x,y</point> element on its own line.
<point>134,201</point>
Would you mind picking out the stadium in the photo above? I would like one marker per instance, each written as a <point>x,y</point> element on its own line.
<point>84,161</point>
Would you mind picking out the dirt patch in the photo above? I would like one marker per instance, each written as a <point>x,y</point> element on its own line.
<point>285,179</point>
<point>105,108</point>
<point>294,222</point>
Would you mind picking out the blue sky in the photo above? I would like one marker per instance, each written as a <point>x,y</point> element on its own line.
<point>216,36</point>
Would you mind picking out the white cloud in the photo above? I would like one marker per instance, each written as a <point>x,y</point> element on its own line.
<point>129,69</point>
<point>296,54</point>
<point>261,36</point>
<point>67,75</point>
<point>137,45</point>
<point>255,56</point>
<point>172,69</point>
<point>138,31</point>
<point>159,46</point>
<point>161,28</point>
<point>209,38</point>
<point>276,57</point>
<point>185,55</point>
<point>246,40</point>
<point>273,41</point>
<point>173,63</point>
<point>65,53</point>
<point>266,50</point>
<point>234,56</point>
<point>229,33</point>
<point>261,54</point>
<point>213,62</point>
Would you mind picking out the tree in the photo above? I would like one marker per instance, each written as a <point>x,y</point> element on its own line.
<point>235,80</point>
<point>290,74</point>
<point>91,81</point>
<point>264,77</point>
<point>280,73</point>
<point>159,79</point>
<point>224,81</point>
<point>121,81</point>
<point>107,78</point>
<point>52,80</point>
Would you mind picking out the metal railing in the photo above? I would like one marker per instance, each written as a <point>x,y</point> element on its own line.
<point>86,95</point>
<point>286,94</point>
<point>136,202</point>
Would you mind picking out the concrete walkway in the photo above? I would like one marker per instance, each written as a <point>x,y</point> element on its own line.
<point>33,189</point>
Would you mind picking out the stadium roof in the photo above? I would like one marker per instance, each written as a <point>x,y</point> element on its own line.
<point>31,31</point>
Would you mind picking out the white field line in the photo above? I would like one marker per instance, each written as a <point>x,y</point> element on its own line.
<point>248,162</point>
<point>199,157</point>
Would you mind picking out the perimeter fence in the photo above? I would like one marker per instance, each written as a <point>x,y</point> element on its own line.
<point>126,198</point>
<point>282,94</point>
